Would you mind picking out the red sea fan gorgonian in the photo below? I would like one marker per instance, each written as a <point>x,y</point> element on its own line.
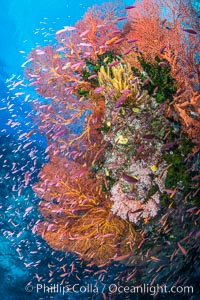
<point>77,214</point>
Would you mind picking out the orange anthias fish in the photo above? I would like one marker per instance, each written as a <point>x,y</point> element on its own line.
<point>111,41</point>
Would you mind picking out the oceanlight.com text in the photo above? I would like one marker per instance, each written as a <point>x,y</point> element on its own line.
<point>151,289</point>
<point>111,289</point>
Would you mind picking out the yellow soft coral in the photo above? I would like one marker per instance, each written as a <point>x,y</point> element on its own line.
<point>118,81</point>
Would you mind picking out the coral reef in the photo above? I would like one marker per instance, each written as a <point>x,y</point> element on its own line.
<point>171,39</point>
<point>121,116</point>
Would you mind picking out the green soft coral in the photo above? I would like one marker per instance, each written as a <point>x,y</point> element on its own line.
<point>161,80</point>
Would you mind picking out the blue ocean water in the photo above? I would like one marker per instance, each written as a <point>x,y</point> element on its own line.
<point>21,29</point>
<point>21,24</point>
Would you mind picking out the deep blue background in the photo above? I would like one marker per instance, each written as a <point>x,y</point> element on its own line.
<point>19,19</point>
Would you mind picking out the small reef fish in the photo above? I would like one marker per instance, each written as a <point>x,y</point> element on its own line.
<point>190,30</point>
<point>182,249</point>
<point>125,91</point>
<point>102,25</point>
<point>111,92</point>
<point>114,63</point>
<point>148,136</point>
<point>40,52</point>
<point>60,132</point>
<point>197,177</point>
<point>129,7</point>
<point>27,210</point>
<point>168,146</point>
<point>93,76</point>
<point>137,211</point>
<point>27,144</point>
<point>128,51</point>
<point>119,258</point>
<point>129,179</point>
<point>60,49</point>
<point>30,133</point>
<point>27,61</point>
<point>163,64</point>
<point>34,82</point>
<point>18,83</point>
<point>163,22</point>
<point>69,89</point>
<point>80,173</point>
<point>84,33</point>
<point>121,100</point>
<point>132,41</point>
<point>119,41</point>
<point>85,44</point>
<point>120,19</point>
<point>116,31</point>
<point>103,47</point>
<point>162,50</point>
<point>111,41</point>
<point>146,81</point>
<point>99,90</point>
<point>66,28</point>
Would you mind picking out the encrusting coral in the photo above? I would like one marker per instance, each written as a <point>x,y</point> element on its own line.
<point>139,176</point>
<point>131,209</point>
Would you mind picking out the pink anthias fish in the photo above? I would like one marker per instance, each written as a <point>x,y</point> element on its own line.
<point>129,7</point>
<point>114,63</point>
<point>27,178</point>
<point>66,28</point>
<point>102,25</point>
<point>40,52</point>
<point>34,82</point>
<point>120,19</point>
<point>68,90</point>
<point>190,30</point>
<point>29,60</point>
<point>128,51</point>
<point>116,31</point>
<point>119,258</point>
<point>162,50</point>
<point>132,41</point>
<point>163,64</point>
<point>121,100</point>
<point>60,132</point>
<point>84,33</point>
<point>128,178</point>
<point>85,44</point>
<point>80,173</point>
<point>93,76</point>
<point>119,41</point>
<point>18,83</point>
<point>104,47</point>
<point>111,92</point>
<point>27,210</point>
<point>99,90</point>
